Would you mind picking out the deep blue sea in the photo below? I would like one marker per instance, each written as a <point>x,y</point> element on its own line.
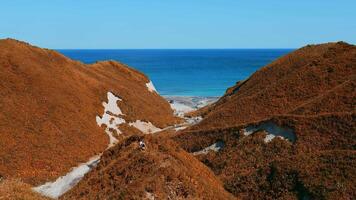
<point>187,72</point>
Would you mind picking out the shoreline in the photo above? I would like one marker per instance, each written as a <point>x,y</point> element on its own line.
<point>185,104</point>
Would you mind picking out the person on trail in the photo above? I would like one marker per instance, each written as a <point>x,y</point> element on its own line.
<point>142,145</point>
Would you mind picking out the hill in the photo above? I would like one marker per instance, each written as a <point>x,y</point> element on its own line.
<point>56,112</point>
<point>288,131</point>
<point>305,76</point>
<point>161,171</point>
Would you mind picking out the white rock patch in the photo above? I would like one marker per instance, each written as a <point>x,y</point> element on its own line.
<point>151,87</point>
<point>145,127</point>
<point>180,128</point>
<point>273,131</point>
<point>214,147</point>
<point>194,120</point>
<point>63,184</point>
<point>111,117</point>
<point>150,196</point>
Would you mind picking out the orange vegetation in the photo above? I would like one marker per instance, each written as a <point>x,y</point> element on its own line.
<point>161,171</point>
<point>313,79</point>
<point>312,92</point>
<point>48,107</point>
<point>16,190</point>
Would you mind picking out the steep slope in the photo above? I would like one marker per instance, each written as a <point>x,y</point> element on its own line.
<point>302,76</point>
<point>51,108</point>
<point>287,132</point>
<point>15,189</point>
<point>161,171</point>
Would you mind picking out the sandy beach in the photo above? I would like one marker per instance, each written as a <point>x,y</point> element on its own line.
<point>184,104</point>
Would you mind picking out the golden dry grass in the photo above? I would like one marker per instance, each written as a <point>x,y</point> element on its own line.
<point>48,106</point>
<point>16,190</point>
<point>311,91</point>
<point>311,80</point>
<point>164,170</point>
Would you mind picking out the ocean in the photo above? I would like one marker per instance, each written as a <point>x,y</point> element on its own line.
<point>193,72</point>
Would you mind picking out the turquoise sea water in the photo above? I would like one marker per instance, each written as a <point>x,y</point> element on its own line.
<point>190,72</point>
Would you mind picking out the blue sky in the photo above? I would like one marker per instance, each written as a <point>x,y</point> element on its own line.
<point>122,24</point>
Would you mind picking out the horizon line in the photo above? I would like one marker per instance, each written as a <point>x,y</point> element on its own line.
<point>291,48</point>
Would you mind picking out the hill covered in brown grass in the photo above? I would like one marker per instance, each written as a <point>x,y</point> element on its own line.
<point>161,171</point>
<point>310,80</point>
<point>288,131</point>
<point>318,165</point>
<point>51,109</point>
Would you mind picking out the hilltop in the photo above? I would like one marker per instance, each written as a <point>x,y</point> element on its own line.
<point>51,110</point>
<point>310,80</point>
<point>286,132</point>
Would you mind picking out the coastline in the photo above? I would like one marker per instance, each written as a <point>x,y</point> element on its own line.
<point>185,104</point>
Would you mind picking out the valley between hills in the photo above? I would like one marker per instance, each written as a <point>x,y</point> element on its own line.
<point>70,130</point>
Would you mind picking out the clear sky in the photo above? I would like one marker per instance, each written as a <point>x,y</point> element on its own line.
<point>122,24</point>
